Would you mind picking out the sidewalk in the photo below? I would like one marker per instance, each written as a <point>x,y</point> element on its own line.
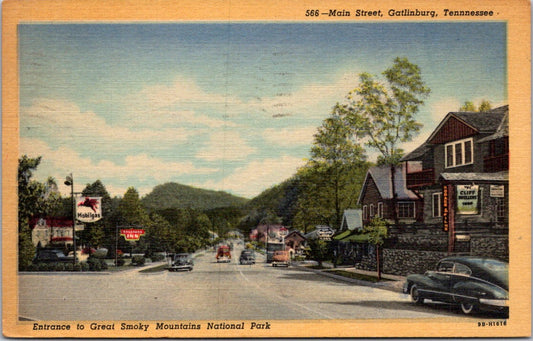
<point>389,282</point>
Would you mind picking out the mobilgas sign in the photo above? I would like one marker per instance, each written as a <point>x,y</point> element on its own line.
<point>88,209</point>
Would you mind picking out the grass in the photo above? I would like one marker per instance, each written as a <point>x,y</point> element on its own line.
<point>357,276</point>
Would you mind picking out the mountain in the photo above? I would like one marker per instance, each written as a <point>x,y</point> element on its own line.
<point>280,199</point>
<point>174,195</point>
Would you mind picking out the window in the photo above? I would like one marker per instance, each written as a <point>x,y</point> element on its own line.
<point>371,210</point>
<point>462,269</point>
<point>501,209</point>
<point>459,153</point>
<point>406,210</point>
<point>437,204</point>
<point>445,267</point>
<point>380,209</point>
<point>365,212</point>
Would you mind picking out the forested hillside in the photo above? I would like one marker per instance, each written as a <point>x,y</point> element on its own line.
<point>174,195</point>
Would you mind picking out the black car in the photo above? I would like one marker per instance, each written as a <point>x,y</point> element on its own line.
<point>181,261</point>
<point>471,282</point>
<point>247,257</point>
<point>51,256</point>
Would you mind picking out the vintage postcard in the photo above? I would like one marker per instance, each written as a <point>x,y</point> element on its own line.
<point>266,169</point>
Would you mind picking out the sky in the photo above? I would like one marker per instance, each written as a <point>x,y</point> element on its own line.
<point>226,106</point>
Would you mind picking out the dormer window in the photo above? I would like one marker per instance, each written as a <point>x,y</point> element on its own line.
<point>459,153</point>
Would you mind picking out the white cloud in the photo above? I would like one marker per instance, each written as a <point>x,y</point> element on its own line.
<point>63,160</point>
<point>290,136</point>
<point>162,105</point>
<point>225,145</point>
<point>64,121</point>
<point>256,176</point>
<point>312,100</point>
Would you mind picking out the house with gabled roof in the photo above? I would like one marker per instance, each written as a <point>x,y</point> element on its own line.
<point>461,173</point>
<point>454,193</point>
<point>376,196</point>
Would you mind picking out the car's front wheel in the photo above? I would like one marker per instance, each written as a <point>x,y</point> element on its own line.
<point>415,295</point>
<point>468,308</point>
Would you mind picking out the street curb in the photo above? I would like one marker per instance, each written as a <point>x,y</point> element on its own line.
<point>382,285</point>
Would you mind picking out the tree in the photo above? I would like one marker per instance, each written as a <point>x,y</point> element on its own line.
<point>377,232</point>
<point>484,106</point>
<point>318,250</point>
<point>384,112</point>
<point>335,154</point>
<point>34,199</point>
<point>131,210</point>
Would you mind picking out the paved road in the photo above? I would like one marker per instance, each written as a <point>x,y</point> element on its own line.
<point>225,291</point>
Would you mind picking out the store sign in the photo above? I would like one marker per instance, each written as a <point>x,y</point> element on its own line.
<point>468,199</point>
<point>497,191</point>
<point>132,234</point>
<point>445,208</point>
<point>88,209</point>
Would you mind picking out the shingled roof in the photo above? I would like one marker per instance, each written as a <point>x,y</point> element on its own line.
<point>382,178</point>
<point>494,122</point>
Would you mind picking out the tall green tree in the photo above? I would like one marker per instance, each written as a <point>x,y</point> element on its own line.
<point>484,106</point>
<point>383,111</point>
<point>131,210</point>
<point>336,153</point>
<point>35,199</point>
<point>377,232</point>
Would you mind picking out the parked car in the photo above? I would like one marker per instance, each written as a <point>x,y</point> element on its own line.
<point>223,254</point>
<point>51,256</point>
<point>247,257</point>
<point>471,282</point>
<point>181,261</point>
<point>280,258</point>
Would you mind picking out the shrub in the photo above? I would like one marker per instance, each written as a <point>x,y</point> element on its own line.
<point>94,264</point>
<point>120,261</point>
<point>42,267</point>
<point>103,264</point>
<point>59,267</point>
<point>69,266</point>
<point>138,260</point>
<point>32,267</point>
<point>77,267</point>
<point>156,257</point>
<point>84,266</point>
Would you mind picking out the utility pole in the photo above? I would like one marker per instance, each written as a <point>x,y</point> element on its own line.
<point>69,181</point>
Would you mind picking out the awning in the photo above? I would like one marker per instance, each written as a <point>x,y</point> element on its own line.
<point>342,235</point>
<point>356,238</point>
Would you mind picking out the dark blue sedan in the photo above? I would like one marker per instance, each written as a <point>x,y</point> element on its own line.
<point>474,283</point>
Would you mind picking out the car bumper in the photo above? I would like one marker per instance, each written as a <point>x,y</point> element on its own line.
<point>275,263</point>
<point>180,267</point>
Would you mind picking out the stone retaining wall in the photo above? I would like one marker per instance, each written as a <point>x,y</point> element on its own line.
<point>404,262</point>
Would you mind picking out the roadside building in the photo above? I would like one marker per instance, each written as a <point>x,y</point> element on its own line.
<point>452,195</point>
<point>376,197</point>
<point>295,242</point>
<point>462,174</point>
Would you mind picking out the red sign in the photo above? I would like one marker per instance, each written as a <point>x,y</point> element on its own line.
<point>132,234</point>
<point>445,208</point>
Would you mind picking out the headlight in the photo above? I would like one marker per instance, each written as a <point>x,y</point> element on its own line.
<point>494,302</point>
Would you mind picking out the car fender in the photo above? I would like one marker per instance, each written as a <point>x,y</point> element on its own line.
<point>471,290</point>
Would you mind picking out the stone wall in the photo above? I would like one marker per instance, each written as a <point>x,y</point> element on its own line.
<point>490,246</point>
<point>404,262</point>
